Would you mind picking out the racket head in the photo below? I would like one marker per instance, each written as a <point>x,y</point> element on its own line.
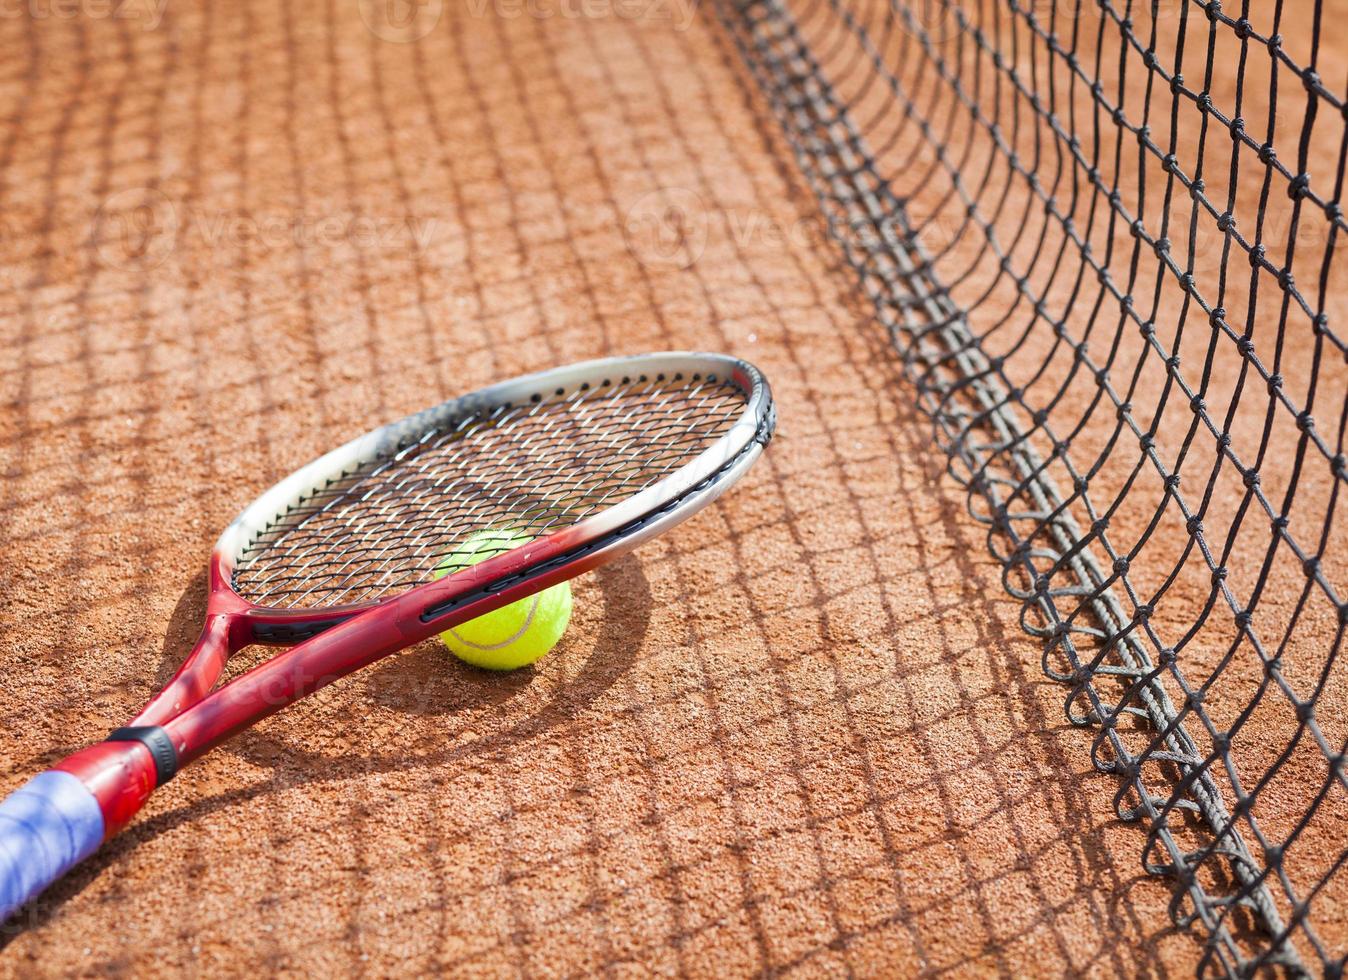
<point>647,441</point>
<point>695,422</point>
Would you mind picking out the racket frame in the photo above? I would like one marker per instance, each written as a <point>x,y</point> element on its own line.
<point>336,640</point>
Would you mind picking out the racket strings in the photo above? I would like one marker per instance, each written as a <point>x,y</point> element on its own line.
<point>392,521</point>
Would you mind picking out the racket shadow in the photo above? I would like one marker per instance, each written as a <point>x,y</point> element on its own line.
<point>421,682</point>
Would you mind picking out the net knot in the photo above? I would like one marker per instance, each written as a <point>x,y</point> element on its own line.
<point>1299,187</point>
<point>1273,855</point>
<point>1305,421</point>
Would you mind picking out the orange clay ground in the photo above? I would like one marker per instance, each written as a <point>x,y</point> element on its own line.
<point>800,734</point>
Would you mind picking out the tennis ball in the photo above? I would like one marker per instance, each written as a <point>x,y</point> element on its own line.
<point>516,634</point>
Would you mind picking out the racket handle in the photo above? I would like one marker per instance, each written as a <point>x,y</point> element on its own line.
<point>47,826</point>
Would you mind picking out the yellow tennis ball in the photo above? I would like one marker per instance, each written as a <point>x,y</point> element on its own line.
<point>514,635</point>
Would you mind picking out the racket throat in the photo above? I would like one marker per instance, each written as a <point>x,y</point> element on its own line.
<point>221,637</point>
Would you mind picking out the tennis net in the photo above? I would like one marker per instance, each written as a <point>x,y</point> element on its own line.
<point>1103,237</point>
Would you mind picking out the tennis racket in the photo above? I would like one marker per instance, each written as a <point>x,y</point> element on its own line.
<point>339,560</point>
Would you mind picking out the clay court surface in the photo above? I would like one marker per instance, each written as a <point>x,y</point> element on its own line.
<point>801,734</point>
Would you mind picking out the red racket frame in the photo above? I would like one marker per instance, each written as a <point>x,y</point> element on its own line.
<point>122,774</point>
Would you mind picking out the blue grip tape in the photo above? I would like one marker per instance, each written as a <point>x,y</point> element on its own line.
<point>47,826</point>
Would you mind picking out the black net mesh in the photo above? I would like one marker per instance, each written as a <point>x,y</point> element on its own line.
<point>1103,237</point>
<point>473,485</point>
